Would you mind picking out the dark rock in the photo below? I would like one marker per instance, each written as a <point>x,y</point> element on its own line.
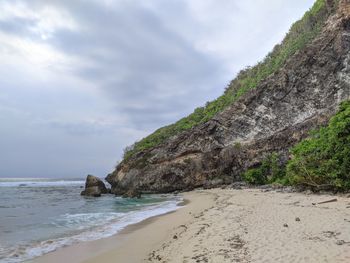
<point>238,185</point>
<point>289,189</point>
<point>91,191</point>
<point>297,219</point>
<point>215,183</point>
<point>265,187</point>
<point>94,186</point>
<point>286,189</point>
<point>308,192</point>
<point>96,194</point>
<point>273,117</point>
<point>132,193</point>
<point>285,225</point>
<point>276,186</point>
<point>340,242</point>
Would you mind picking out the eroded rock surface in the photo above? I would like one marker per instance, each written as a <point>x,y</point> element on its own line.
<point>271,118</point>
<point>94,186</point>
<point>132,193</point>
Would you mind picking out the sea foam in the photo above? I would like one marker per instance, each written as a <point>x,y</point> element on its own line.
<point>87,227</point>
<point>39,183</point>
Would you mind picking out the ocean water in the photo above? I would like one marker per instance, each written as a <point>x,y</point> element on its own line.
<point>38,216</point>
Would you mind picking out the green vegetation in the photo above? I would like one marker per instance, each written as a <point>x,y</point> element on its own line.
<point>321,161</point>
<point>300,34</point>
<point>268,172</point>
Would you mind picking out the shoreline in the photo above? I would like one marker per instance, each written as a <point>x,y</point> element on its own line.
<point>229,225</point>
<point>116,245</point>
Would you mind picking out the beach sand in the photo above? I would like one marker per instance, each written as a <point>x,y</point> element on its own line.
<point>228,225</point>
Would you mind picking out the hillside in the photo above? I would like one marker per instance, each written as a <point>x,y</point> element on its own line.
<point>267,109</point>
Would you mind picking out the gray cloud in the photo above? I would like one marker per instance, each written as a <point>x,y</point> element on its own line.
<point>145,68</point>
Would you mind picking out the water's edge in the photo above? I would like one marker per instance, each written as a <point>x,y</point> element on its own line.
<point>87,220</point>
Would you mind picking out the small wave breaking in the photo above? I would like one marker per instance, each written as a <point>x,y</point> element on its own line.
<point>88,227</point>
<point>39,182</point>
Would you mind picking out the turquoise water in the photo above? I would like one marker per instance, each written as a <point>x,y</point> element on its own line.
<point>38,216</point>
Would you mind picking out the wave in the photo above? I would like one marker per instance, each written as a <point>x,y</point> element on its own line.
<point>92,226</point>
<point>85,220</point>
<point>39,183</point>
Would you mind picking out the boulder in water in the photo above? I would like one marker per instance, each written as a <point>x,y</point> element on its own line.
<point>94,187</point>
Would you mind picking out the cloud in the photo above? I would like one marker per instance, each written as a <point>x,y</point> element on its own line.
<point>145,68</point>
<point>41,21</point>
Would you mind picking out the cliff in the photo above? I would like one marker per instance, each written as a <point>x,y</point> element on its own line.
<point>271,117</point>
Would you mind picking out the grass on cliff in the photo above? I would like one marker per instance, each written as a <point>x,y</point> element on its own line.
<point>321,161</point>
<point>300,34</point>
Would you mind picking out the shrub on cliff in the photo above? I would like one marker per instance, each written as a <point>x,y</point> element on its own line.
<point>269,171</point>
<point>323,159</point>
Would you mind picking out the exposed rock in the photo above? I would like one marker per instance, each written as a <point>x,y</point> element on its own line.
<point>280,112</point>
<point>308,192</point>
<point>215,183</point>
<point>94,186</point>
<point>297,219</point>
<point>132,193</point>
<point>340,242</point>
<point>92,191</point>
<point>238,185</point>
<point>287,189</point>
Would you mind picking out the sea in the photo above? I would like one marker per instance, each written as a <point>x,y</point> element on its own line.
<point>38,216</point>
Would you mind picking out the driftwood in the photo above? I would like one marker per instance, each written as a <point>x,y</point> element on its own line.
<point>324,202</point>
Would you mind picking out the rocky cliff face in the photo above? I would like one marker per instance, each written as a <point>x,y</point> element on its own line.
<point>271,118</point>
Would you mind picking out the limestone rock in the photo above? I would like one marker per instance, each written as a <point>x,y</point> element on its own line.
<point>132,193</point>
<point>94,186</point>
<point>92,191</point>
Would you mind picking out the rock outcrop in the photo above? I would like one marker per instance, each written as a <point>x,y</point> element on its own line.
<point>132,193</point>
<point>280,112</point>
<point>94,186</point>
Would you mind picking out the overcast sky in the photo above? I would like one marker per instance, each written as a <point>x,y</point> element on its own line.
<point>80,80</point>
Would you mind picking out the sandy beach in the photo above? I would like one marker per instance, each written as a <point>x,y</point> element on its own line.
<point>228,225</point>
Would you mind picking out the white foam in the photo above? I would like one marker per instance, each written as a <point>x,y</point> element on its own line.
<point>113,223</point>
<point>86,220</point>
<point>38,183</point>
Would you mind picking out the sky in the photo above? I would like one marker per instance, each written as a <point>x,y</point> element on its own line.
<point>82,79</point>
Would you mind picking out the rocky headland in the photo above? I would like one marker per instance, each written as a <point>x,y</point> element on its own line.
<point>272,117</point>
